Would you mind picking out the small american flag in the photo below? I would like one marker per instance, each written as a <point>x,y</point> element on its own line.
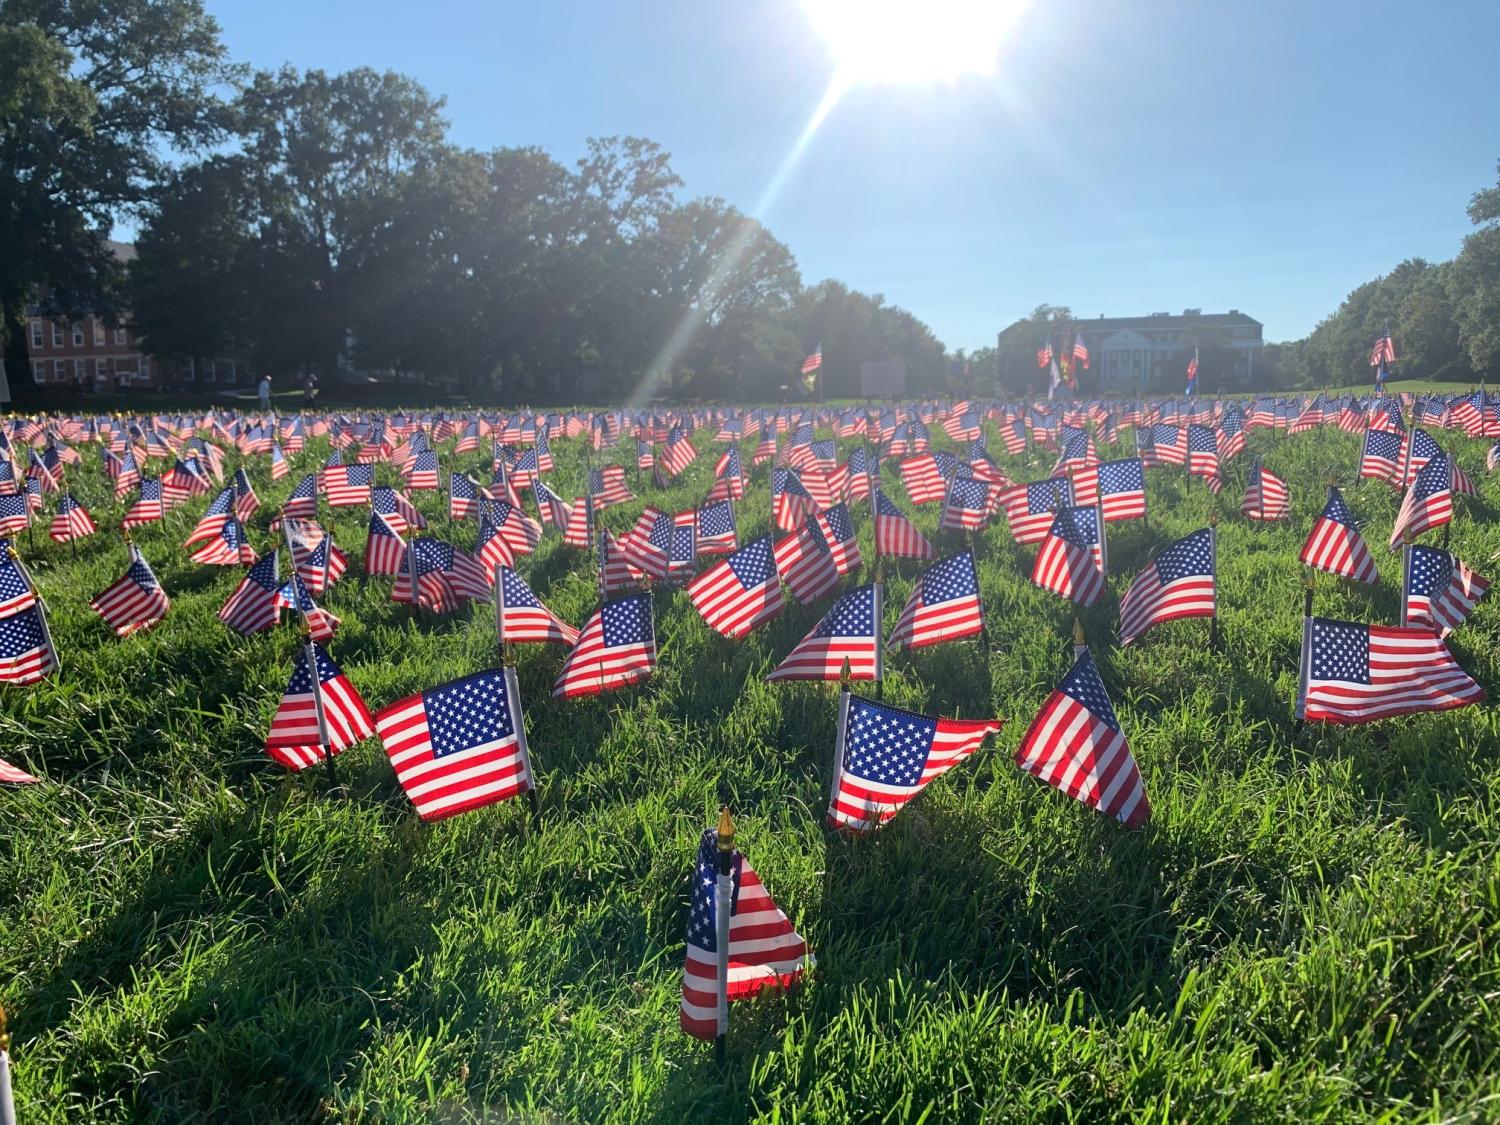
<point>1118,487</point>
<point>463,496</point>
<point>397,507</point>
<point>1203,456</point>
<point>491,549</point>
<point>1266,496</point>
<point>837,529</point>
<point>445,577</point>
<point>525,620</point>
<point>1178,582</point>
<point>348,486</point>
<point>11,775</point>
<point>616,647</point>
<point>135,602</point>
<point>924,479</point>
<point>1031,508</point>
<point>385,549</point>
<point>648,545</point>
<point>764,950</point>
<point>969,504</point>
<point>294,739</point>
<point>314,557</point>
<point>814,360</point>
<point>741,591</point>
<point>944,606</point>
<point>71,521</point>
<point>146,509</point>
<point>1354,673</point>
<point>294,595</point>
<point>26,653</point>
<point>1335,545</point>
<point>849,631</point>
<point>607,486</point>
<point>1071,559</point>
<point>716,530</point>
<point>1428,502</point>
<point>886,756</point>
<point>678,453</point>
<point>16,592</point>
<point>895,535</point>
<point>1384,351</point>
<point>790,501</point>
<point>246,502</point>
<point>1440,591</point>
<point>255,606</point>
<point>458,746</point>
<point>1075,744</point>
<point>303,502</point>
<point>806,564</point>
<point>228,547</point>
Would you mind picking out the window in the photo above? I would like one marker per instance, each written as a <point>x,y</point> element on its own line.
<point>39,372</point>
<point>98,331</point>
<point>57,336</point>
<point>36,333</point>
<point>101,371</point>
<point>59,375</point>
<point>77,335</point>
<point>208,371</point>
<point>119,335</point>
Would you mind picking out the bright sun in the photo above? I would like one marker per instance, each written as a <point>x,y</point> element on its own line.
<point>913,40</point>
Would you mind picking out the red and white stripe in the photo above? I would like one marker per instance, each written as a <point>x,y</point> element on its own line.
<point>1411,670</point>
<point>1070,749</point>
<point>860,805</point>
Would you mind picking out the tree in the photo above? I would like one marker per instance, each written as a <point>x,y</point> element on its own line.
<point>1475,284</point>
<point>95,100</point>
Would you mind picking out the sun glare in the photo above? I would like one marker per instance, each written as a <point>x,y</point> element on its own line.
<point>913,40</point>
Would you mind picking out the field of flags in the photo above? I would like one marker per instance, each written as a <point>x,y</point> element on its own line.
<point>905,594</point>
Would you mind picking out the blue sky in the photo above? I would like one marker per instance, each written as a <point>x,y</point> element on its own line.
<point>1124,159</point>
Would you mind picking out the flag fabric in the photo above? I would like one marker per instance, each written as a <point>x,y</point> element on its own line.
<point>12,775</point>
<point>849,631</point>
<point>616,647</point>
<point>1335,545</point>
<point>229,547</point>
<point>790,501</point>
<point>463,496</point>
<point>1031,508</point>
<point>1355,673</point>
<point>806,564</point>
<point>1117,487</point>
<point>293,738</point>
<point>315,558</point>
<point>649,543</point>
<point>1382,456</point>
<point>1428,502</point>
<point>969,504</point>
<point>765,951</point>
<point>397,507</point>
<point>1203,456</point>
<point>246,502</point>
<point>1384,352</point>
<point>944,606</point>
<point>16,591</point>
<point>615,574</point>
<point>1080,351</point>
<point>445,576</point>
<point>134,602</point>
<point>385,549</point>
<point>348,486</point>
<point>837,529</point>
<point>279,465</point>
<point>739,592</point>
<point>608,487</point>
<point>26,653</point>
<point>924,479</point>
<point>147,508</point>
<point>525,620</point>
<point>460,745</point>
<point>219,512</point>
<point>255,606</point>
<point>814,360</point>
<point>886,756</point>
<point>1075,744</point>
<point>321,623</point>
<point>716,531</point>
<point>1266,496</point>
<point>895,535</point>
<point>1439,590</point>
<point>1179,582</point>
<point>303,501</point>
<point>71,521</point>
<point>1070,561</point>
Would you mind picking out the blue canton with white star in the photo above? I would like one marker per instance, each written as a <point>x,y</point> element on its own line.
<point>1340,651</point>
<point>467,713</point>
<point>887,745</point>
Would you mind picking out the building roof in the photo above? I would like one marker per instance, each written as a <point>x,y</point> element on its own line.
<point>1187,319</point>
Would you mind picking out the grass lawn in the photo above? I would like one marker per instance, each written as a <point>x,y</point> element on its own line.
<point>1308,929</point>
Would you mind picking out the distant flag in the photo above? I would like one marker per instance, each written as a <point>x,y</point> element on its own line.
<point>1044,355</point>
<point>895,535</point>
<point>71,521</point>
<point>1075,744</point>
<point>254,606</point>
<point>1355,673</point>
<point>1428,502</point>
<point>134,602</point>
<point>739,592</point>
<point>849,632</point>
<point>1439,591</point>
<point>885,756</point>
<point>814,360</point>
<point>1335,545</point>
<point>146,509</point>
<point>944,606</point>
<point>228,547</point>
<point>1384,352</point>
<point>1266,495</point>
<point>1192,374</point>
<point>1179,582</point>
<point>460,745</point>
<point>1080,351</point>
<point>294,738</point>
<point>731,958</point>
<point>616,648</point>
<point>279,465</point>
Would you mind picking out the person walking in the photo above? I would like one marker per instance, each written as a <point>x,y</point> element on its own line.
<point>265,392</point>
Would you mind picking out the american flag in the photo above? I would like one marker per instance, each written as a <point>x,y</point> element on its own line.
<point>219,512</point>
<point>838,533</point>
<point>71,521</point>
<point>26,653</point>
<point>1119,487</point>
<point>445,576</point>
<point>186,479</point>
<point>886,756</point>
<point>969,504</point>
<point>557,512</point>
<point>729,473</point>
<point>146,509</point>
<point>397,507</point>
<point>1169,444</point>
<point>1384,351</point>
<point>649,543</point>
<point>1203,456</point>
<point>303,502</point>
<point>1381,459</point>
<point>1335,545</point>
<point>254,606</point>
<point>849,631</point>
<point>294,739</point>
<point>135,602</point>
<point>16,592</point>
<point>463,496</point>
<point>741,591</point>
<point>1044,355</point>
<point>1355,673</point>
<point>1075,744</point>
<point>491,548</point>
<point>1420,449</point>
<point>1439,591</point>
<point>385,549</point>
<point>294,595</point>
<point>11,775</point>
<point>1266,495</point>
<point>1080,351</point>
<point>524,619</point>
<point>895,535</point>
<point>682,556</point>
<point>314,557</point>
<point>460,745</point>
<point>814,360</point>
<point>805,563</point>
<point>607,486</point>
<point>924,479</point>
<point>1032,507</point>
<point>347,486</point>
<point>716,530</point>
<point>615,574</point>
<point>616,647</point>
<point>1428,502</point>
<point>128,476</point>
<point>645,455</point>
<point>764,950</point>
<point>1071,559</point>
<point>790,501</point>
<point>678,453</point>
<point>944,606</point>
<point>1179,582</point>
<point>228,547</point>
<point>246,503</point>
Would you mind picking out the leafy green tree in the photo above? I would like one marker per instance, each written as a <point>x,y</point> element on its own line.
<point>1476,284</point>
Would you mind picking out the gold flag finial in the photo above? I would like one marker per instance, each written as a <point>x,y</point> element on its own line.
<point>1309,578</point>
<point>725,830</point>
<point>4,1032</point>
<point>1078,637</point>
<point>1213,519</point>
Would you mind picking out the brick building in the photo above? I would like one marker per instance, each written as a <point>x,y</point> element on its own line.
<point>1136,354</point>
